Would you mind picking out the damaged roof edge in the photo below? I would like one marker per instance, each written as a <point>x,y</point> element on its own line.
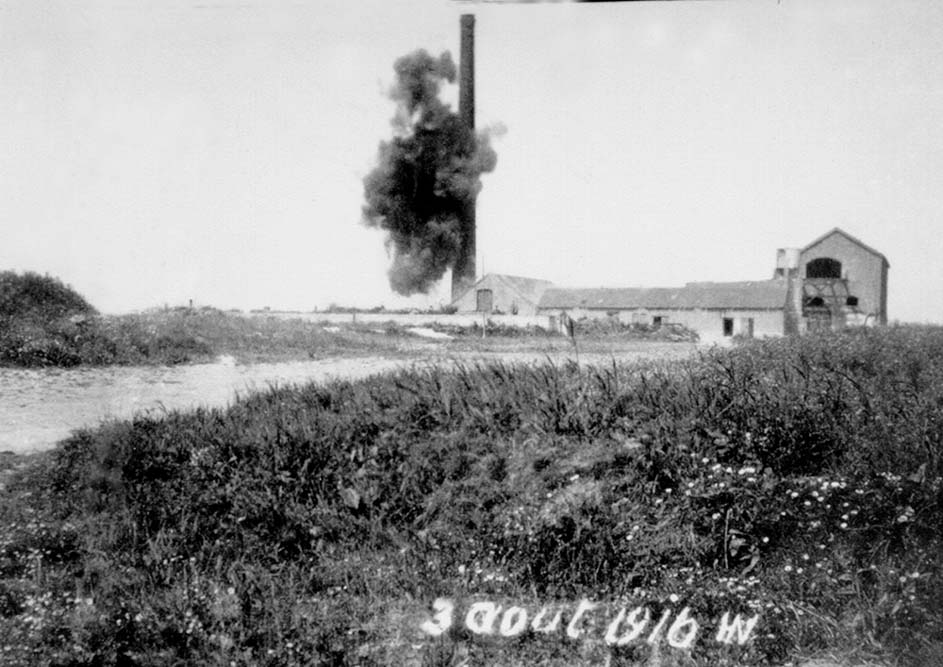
<point>756,295</point>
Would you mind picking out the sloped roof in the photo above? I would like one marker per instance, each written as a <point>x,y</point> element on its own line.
<point>837,230</point>
<point>528,289</point>
<point>752,295</point>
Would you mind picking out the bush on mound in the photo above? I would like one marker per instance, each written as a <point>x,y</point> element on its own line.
<point>39,320</point>
<point>31,296</point>
<point>43,322</point>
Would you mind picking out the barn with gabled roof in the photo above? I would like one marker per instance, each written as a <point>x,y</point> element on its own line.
<point>499,293</point>
<point>844,281</point>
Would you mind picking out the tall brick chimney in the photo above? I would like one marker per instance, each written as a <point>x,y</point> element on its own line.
<point>463,273</point>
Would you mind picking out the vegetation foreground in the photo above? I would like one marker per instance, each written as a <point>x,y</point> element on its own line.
<point>44,323</point>
<point>798,481</point>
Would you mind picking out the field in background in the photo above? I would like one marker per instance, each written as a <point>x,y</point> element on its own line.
<point>45,323</point>
<point>179,335</point>
<point>184,335</point>
<point>796,479</point>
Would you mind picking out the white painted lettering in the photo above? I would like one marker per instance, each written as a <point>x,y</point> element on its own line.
<point>481,617</point>
<point>442,620</point>
<point>737,630</point>
<point>572,629</point>
<point>634,629</point>
<point>682,632</point>
<point>485,617</point>
<point>552,626</point>
<point>513,622</point>
<point>656,632</point>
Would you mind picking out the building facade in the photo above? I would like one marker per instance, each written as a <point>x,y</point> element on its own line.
<point>834,282</point>
<point>501,294</point>
<point>844,282</point>
<point>714,310</point>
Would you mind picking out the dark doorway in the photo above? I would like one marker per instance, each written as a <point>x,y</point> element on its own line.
<point>485,301</point>
<point>728,326</point>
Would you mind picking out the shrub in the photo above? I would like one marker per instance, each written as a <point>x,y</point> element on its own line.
<point>30,296</point>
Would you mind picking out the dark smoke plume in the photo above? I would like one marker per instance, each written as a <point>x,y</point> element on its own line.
<point>424,175</point>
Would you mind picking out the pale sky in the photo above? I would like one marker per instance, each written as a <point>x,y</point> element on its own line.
<point>154,152</point>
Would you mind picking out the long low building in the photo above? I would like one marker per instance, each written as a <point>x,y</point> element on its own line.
<point>834,282</point>
<point>714,310</point>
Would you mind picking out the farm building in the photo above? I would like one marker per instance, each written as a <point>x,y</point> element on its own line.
<point>714,310</point>
<point>499,293</point>
<point>833,282</point>
<point>843,282</point>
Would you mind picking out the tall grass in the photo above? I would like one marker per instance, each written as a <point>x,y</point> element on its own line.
<point>799,479</point>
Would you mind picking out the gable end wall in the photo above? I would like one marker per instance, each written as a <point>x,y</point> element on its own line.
<point>866,272</point>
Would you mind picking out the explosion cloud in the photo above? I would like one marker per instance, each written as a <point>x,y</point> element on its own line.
<point>425,175</point>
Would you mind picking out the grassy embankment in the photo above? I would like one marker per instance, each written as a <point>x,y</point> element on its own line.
<point>45,323</point>
<point>796,479</point>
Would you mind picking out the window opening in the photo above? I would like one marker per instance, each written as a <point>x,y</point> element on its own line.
<point>823,267</point>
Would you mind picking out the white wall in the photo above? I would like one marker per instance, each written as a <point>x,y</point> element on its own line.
<point>412,319</point>
<point>707,323</point>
